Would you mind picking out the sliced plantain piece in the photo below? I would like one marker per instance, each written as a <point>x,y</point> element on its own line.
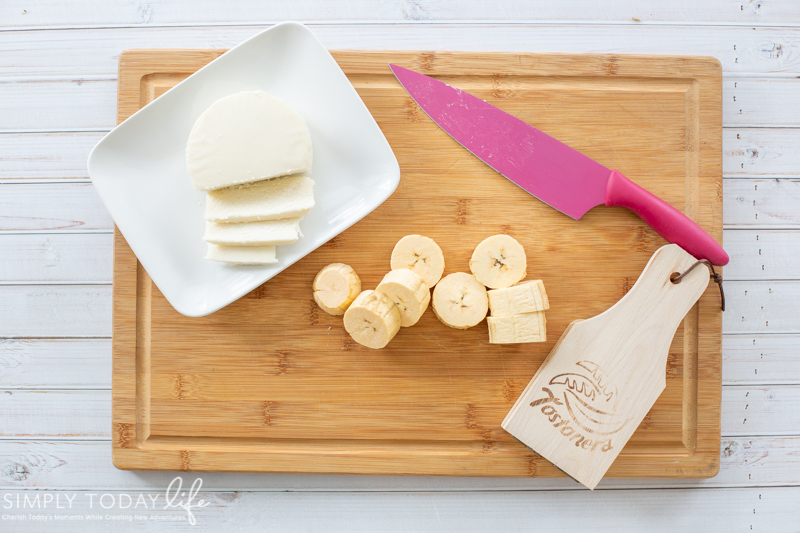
<point>527,327</point>
<point>335,287</point>
<point>525,297</point>
<point>421,255</point>
<point>460,301</point>
<point>409,292</point>
<point>372,319</point>
<point>498,262</point>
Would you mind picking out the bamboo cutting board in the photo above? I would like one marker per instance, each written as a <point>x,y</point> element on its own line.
<point>272,384</point>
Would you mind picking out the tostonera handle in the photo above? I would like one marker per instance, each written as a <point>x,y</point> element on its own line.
<point>670,223</point>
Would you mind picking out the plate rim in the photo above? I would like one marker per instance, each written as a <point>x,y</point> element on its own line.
<point>392,165</point>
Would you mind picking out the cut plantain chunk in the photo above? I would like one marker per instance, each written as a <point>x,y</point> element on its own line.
<point>460,301</point>
<point>335,288</point>
<point>525,297</point>
<point>527,327</point>
<point>372,319</point>
<point>409,292</point>
<point>498,262</point>
<point>421,255</point>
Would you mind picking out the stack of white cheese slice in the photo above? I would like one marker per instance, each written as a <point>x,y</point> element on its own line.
<point>251,152</point>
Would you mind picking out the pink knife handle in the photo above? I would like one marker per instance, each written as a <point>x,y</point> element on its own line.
<point>670,223</point>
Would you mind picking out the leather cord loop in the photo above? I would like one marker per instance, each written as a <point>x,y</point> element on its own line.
<point>714,276</point>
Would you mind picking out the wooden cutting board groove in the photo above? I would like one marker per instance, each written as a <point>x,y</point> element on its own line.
<point>272,384</point>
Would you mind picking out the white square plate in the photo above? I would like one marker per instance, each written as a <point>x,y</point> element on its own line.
<point>139,169</point>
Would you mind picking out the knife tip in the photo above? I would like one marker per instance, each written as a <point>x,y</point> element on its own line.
<point>396,71</point>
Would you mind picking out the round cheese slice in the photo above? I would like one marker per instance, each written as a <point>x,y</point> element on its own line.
<point>245,137</point>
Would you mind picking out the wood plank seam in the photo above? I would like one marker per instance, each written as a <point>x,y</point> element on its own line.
<point>405,22</point>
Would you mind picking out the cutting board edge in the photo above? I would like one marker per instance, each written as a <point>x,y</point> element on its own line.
<point>706,467</point>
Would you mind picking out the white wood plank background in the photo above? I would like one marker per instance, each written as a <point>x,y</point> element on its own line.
<point>57,99</point>
<point>41,13</point>
<point>742,50</point>
<point>571,511</point>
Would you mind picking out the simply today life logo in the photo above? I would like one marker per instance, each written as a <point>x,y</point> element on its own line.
<point>25,506</point>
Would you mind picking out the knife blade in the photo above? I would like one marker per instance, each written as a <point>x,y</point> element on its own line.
<point>553,172</point>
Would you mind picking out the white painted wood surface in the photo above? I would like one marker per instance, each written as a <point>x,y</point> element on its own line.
<point>573,511</point>
<point>45,156</point>
<point>57,98</point>
<point>52,208</point>
<point>761,359</point>
<point>56,258</point>
<point>55,311</point>
<point>41,364</point>
<point>41,13</point>
<point>761,203</point>
<point>75,414</point>
<point>751,152</point>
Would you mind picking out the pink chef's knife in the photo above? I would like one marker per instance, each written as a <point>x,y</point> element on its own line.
<point>547,168</point>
